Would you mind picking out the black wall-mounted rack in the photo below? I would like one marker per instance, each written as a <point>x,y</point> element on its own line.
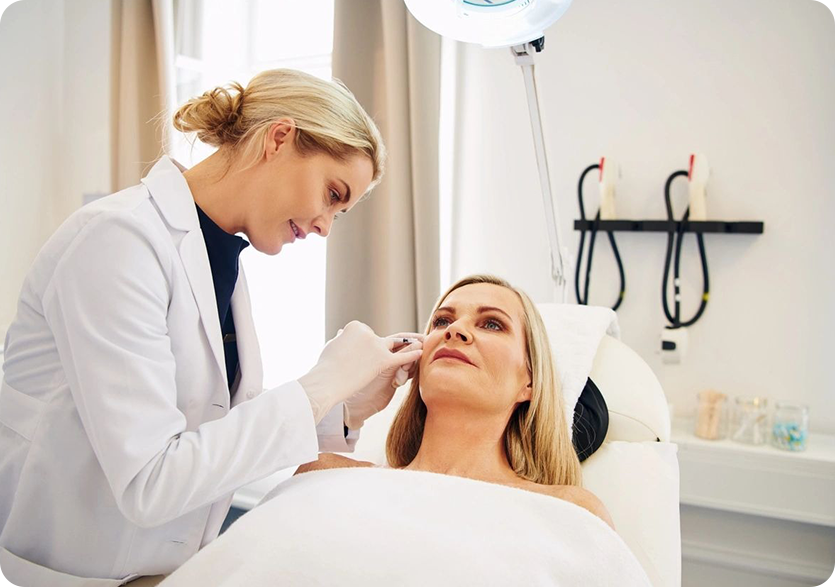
<point>703,226</point>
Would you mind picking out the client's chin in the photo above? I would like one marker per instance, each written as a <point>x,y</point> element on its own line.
<point>445,388</point>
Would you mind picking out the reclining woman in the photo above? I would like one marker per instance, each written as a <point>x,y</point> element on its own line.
<point>484,418</point>
<point>486,403</point>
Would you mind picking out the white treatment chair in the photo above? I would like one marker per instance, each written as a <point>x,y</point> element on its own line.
<point>635,471</point>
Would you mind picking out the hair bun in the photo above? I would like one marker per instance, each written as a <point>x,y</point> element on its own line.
<point>327,118</point>
<point>215,116</point>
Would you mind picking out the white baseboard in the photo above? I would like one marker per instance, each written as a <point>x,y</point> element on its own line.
<point>755,564</point>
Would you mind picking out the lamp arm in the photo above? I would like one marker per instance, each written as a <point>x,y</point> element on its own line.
<point>560,260</point>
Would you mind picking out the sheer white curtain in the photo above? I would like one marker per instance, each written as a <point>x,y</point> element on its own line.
<point>217,42</point>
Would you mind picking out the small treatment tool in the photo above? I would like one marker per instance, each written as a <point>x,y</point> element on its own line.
<point>401,342</point>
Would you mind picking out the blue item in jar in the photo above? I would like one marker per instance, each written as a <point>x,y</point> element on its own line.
<point>789,435</point>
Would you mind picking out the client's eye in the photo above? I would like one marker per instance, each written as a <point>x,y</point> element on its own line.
<point>489,321</point>
<point>334,197</point>
<point>496,322</point>
<point>435,322</point>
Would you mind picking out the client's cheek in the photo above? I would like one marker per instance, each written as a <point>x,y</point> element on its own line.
<point>430,346</point>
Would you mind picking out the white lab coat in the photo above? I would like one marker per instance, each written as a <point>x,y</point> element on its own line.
<point>119,449</point>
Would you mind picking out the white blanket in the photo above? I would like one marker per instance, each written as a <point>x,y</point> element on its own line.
<point>369,526</point>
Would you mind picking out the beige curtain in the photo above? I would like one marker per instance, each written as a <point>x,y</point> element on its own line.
<point>383,257</point>
<point>143,86</point>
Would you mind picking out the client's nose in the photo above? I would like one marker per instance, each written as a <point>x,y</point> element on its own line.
<point>449,334</point>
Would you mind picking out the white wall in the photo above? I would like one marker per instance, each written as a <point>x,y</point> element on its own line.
<point>55,108</point>
<point>30,35</point>
<point>748,82</point>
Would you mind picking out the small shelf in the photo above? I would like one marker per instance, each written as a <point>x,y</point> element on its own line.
<point>715,226</point>
<point>758,480</point>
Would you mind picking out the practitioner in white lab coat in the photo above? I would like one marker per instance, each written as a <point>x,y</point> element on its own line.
<point>132,404</point>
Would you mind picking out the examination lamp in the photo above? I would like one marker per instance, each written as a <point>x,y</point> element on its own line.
<point>520,25</point>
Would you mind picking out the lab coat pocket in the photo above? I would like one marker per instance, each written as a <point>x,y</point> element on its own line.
<point>19,411</point>
<point>28,574</point>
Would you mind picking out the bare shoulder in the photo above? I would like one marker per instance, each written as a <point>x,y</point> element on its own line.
<point>581,497</point>
<point>328,460</point>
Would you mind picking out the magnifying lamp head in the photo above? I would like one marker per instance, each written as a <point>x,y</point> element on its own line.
<point>489,23</point>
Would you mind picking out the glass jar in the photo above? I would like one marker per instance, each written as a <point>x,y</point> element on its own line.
<point>791,426</point>
<point>750,421</point>
<point>711,415</point>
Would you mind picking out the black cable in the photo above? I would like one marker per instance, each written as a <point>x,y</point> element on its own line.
<point>584,300</point>
<point>677,236</point>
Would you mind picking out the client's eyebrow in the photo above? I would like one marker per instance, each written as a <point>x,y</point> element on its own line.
<point>481,309</point>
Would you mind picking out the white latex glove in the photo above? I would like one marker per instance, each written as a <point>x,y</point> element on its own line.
<point>405,372</point>
<point>349,362</point>
<point>378,393</point>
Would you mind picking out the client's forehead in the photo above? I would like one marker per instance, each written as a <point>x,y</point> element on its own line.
<point>475,295</point>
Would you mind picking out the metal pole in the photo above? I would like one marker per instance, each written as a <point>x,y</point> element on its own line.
<point>559,255</point>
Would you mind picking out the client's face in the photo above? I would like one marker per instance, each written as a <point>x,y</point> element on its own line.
<point>483,324</point>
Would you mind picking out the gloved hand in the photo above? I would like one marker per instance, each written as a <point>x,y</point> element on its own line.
<point>376,395</point>
<point>349,362</point>
<point>405,372</point>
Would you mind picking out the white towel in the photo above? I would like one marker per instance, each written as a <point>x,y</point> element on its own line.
<point>374,526</point>
<point>575,333</point>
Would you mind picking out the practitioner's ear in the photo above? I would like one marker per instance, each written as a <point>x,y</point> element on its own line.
<point>525,394</point>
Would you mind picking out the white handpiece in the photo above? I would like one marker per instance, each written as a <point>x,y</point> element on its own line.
<point>608,178</point>
<point>697,180</point>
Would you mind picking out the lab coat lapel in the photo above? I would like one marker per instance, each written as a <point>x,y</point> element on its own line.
<point>249,351</point>
<point>196,262</point>
<point>170,191</point>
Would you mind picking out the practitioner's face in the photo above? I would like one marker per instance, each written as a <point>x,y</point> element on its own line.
<point>309,191</point>
<point>486,323</point>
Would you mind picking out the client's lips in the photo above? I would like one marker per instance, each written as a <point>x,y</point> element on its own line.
<point>445,352</point>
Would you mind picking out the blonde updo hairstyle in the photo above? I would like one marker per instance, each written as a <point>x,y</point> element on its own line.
<point>328,118</point>
<point>536,438</point>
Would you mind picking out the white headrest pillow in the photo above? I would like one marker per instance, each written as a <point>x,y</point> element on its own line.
<point>637,405</point>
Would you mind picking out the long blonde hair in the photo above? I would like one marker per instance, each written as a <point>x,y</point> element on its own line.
<point>328,118</point>
<point>536,438</point>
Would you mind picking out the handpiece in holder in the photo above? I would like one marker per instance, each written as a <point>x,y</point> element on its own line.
<point>609,172</point>
<point>608,177</point>
<point>673,344</point>
<point>697,180</point>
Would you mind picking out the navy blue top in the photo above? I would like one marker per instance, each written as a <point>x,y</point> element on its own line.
<point>224,250</point>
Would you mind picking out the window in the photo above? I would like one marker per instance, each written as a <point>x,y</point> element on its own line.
<point>217,42</point>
